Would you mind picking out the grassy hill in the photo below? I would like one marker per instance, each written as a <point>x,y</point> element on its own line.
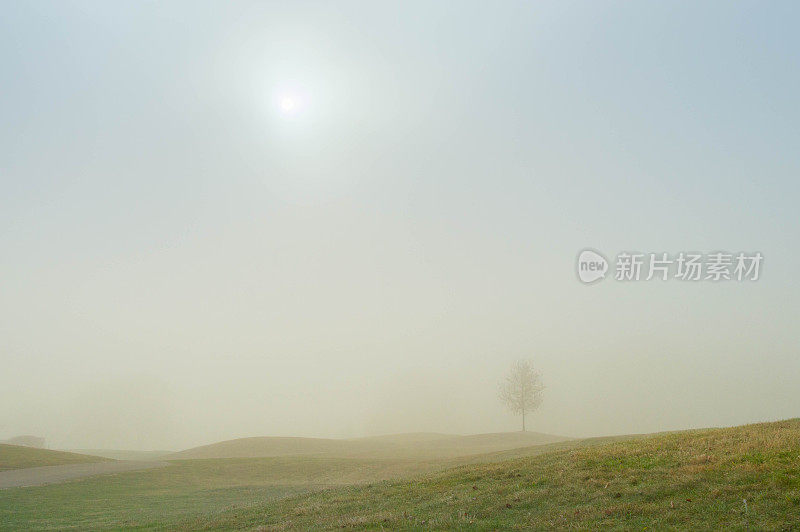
<point>17,457</point>
<point>163,498</point>
<point>685,480</point>
<point>123,454</point>
<point>261,447</point>
<point>414,445</point>
<point>456,446</point>
<point>742,477</point>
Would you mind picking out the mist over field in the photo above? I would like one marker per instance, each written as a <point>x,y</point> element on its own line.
<point>341,220</point>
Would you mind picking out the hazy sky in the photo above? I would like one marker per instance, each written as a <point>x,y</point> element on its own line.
<point>185,259</point>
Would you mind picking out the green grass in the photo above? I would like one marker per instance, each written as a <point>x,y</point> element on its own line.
<point>164,497</point>
<point>417,445</point>
<point>17,457</point>
<point>689,480</point>
<point>124,454</point>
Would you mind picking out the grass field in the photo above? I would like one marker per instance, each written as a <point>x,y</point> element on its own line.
<point>187,488</point>
<point>738,478</point>
<point>415,445</point>
<point>689,480</point>
<point>17,457</point>
<point>122,454</point>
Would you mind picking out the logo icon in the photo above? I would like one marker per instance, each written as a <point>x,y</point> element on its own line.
<point>591,266</point>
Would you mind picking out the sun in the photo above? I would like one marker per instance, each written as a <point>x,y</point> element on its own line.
<point>288,104</point>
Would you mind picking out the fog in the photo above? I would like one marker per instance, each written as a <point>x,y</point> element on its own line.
<point>184,261</point>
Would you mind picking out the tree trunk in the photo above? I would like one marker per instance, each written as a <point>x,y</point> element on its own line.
<point>523,420</point>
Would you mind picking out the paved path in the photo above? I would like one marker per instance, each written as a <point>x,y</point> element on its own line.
<point>37,476</point>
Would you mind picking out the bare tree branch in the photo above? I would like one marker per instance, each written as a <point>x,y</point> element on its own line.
<point>522,390</point>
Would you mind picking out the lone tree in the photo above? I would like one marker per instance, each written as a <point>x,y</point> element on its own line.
<point>522,390</point>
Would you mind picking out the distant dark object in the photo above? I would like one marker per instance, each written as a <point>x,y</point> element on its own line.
<point>27,441</point>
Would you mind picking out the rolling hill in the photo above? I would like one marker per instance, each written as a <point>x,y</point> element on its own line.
<point>698,479</point>
<point>260,447</point>
<point>18,457</point>
<point>122,454</point>
<point>744,477</point>
<point>413,445</point>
